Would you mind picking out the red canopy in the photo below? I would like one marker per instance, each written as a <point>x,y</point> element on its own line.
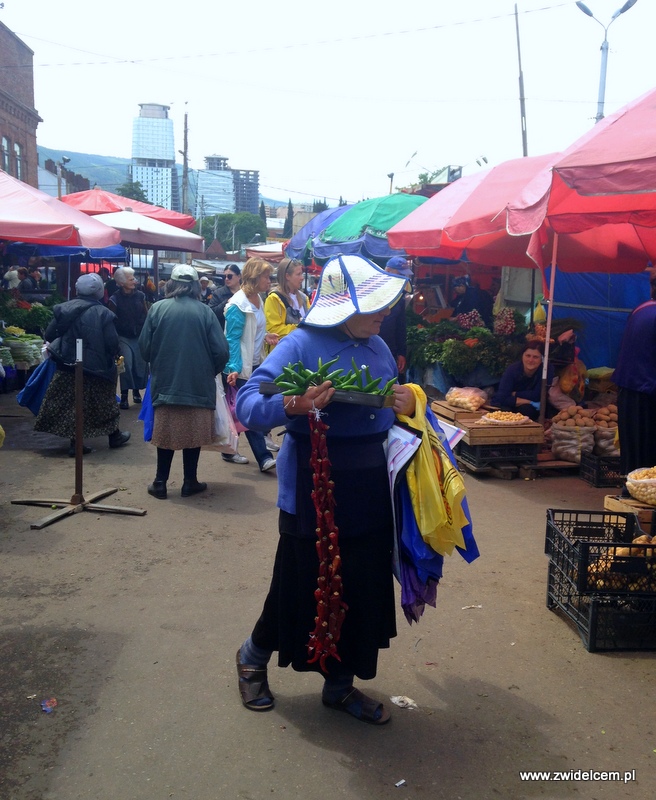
<point>602,190</point>
<point>28,215</point>
<point>469,216</point>
<point>98,201</point>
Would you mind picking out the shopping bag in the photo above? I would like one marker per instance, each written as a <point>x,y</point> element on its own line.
<point>231,397</point>
<point>32,394</point>
<point>147,413</point>
<point>227,438</point>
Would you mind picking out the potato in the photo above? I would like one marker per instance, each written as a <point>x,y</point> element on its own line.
<point>613,417</point>
<point>612,408</point>
<point>602,423</point>
<point>571,423</point>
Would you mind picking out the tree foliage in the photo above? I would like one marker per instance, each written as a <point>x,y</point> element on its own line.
<point>133,190</point>
<point>246,227</point>
<point>263,215</point>
<point>288,228</point>
<point>318,206</point>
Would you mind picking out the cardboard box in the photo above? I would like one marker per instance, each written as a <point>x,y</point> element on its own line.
<point>628,505</point>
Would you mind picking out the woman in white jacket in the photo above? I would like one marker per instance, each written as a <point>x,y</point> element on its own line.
<point>246,334</point>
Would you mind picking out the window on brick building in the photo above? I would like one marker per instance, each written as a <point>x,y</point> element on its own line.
<point>19,163</point>
<point>4,154</point>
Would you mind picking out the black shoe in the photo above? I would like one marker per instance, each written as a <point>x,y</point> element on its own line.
<point>119,438</point>
<point>124,405</point>
<point>158,489</point>
<point>192,487</point>
<point>71,450</point>
<point>136,397</point>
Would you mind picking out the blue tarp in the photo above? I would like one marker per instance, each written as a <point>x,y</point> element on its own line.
<point>115,252</point>
<point>601,337</point>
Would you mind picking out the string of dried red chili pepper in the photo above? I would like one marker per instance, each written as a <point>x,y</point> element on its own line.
<point>331,609</point>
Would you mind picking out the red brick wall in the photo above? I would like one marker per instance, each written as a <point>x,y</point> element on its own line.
<point>18,117</point>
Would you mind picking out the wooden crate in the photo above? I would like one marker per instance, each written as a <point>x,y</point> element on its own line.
<point>454,414</point>
<point>528,433</point>
<point>628,505</point>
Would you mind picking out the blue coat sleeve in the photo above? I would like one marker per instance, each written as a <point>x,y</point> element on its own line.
<point>235,324</point>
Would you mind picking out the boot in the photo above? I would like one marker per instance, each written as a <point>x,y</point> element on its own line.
<point>136,396</point>
<point>158,489</point>
<point>192,487</point>
<point>71,450</point>
<point>124,401</point>
<point>118,438</point>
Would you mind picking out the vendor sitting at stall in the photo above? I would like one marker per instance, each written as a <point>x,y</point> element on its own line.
<point>519,388</point>
<point>471,298</point>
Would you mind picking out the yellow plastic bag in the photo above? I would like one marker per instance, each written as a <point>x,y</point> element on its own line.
<point>435,485</point>
<point>539,314</point>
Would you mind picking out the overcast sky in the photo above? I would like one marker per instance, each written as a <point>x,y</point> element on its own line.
<point>326,99</point>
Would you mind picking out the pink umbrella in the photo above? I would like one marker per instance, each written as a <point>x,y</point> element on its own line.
<point>28,215</point>
<point>99,201</point>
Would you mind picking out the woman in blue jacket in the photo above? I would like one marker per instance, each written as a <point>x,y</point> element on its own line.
<point>521,383</point>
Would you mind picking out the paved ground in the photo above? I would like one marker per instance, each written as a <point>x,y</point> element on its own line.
<point>132,623</point>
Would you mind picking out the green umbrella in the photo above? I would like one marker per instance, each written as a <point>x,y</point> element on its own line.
<point>374,217</point>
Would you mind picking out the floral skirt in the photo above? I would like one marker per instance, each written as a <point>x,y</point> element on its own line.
<point>100,409</point>
<point>182,427</point>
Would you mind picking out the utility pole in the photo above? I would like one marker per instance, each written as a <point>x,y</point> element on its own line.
<point>202,214</point>
<point>522,99</point>
<point>185,167</point>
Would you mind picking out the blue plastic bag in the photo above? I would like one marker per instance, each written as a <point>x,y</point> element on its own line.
<point>147,413</point>
<point>32,394</point>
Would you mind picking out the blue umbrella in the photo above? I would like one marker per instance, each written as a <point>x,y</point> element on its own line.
<point>300,245</point>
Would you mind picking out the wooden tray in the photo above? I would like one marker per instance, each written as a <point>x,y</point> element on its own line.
<point>629,505</point>
<point>454,414</point>
<point>528,433</point>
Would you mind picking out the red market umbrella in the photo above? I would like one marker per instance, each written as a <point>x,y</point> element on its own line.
<point>467,218</point>
<point>31,216</point>
<point>98,201</point>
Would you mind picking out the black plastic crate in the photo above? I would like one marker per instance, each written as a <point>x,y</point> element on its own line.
<point>480,455</point>
<point>594,552</point>
<point>604,622</point>
<point>601,471</point>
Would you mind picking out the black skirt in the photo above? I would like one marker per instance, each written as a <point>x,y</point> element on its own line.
<point>290,608</point>
<point>636,413</point>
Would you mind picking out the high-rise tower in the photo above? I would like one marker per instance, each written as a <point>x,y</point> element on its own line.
<point>153,156</point>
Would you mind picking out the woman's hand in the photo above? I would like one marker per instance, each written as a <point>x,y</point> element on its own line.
<point>231,378</point>
<point>404,400</point>
<point>316,397</point>
<point>271,339</point>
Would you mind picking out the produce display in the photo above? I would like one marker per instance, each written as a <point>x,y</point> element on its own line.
<point>503,418</point>
<point>25,348</point>
<point>606,417</point>
<point>641,484</point>
<point>614,570</point>
<point>297,379</point>
<point>575,417</point>
<point>467,397</point>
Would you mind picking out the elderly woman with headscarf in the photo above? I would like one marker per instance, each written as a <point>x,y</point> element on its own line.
<point>84,318</point>
<point>129,305</point>
<point>471,298</point>
<point>353,299</point>
<point>186,348</point>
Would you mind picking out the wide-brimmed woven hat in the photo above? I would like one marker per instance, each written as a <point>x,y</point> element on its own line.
<point>351,285</point>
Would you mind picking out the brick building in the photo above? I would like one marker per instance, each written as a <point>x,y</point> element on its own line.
<point>18,117</point>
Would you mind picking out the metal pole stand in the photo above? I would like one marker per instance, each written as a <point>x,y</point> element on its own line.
<point>77,502</point>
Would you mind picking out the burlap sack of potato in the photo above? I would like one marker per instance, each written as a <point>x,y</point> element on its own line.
<point>569,443</point>
<point>605,442</point>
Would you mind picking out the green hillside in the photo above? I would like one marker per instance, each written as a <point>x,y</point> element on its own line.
<point>109,172</point>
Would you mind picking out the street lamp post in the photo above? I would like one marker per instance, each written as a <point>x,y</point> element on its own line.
<point>390,175</point>
<point>60,164</point>
<point>604,50</point>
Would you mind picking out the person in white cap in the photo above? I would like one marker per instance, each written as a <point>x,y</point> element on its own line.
<point>206,288</point>
<point>353,298</point>
<point>185,346</point>
<point>84,318</point>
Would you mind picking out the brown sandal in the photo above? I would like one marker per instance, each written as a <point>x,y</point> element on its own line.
<point>358,705</point>
<point>254,687</point>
